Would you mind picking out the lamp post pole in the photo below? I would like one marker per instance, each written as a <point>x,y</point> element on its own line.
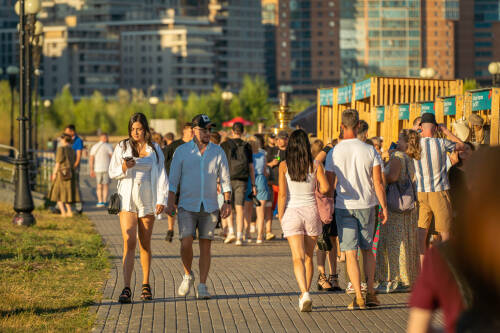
<point>23,201</point>
<point>12,72</point>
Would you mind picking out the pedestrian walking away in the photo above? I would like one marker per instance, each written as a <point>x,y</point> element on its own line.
<point>278,155</point>
<point>196,168</point>
<point>169,151</point>
<point>356,167</point>
<point>298,211</point>
<point>239,156</point>
<point>138,165</point>
<point>100,158</point>
<point>432,179</point>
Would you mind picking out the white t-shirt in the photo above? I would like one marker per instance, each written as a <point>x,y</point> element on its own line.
<point>353,161</point>
<point>102,156</point>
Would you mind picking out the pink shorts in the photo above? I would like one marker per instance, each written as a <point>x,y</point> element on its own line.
<point>301,221</point>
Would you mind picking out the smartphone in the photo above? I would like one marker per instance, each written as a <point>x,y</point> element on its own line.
<point>128,158</point>
<point>393,146</point>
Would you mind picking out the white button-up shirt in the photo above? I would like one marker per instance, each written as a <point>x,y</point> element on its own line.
<point>195,176</point>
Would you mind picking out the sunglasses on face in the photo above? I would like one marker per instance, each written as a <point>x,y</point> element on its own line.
<point>204,130</point>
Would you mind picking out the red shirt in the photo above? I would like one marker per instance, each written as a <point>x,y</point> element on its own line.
<point>436,288</point>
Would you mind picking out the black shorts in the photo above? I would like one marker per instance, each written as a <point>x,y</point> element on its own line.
<point>239,188</point>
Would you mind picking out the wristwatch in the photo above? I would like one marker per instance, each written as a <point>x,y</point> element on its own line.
<point>253,185</point>
<point>228,202</point>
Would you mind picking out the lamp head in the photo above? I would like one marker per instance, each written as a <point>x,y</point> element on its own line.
<point>153,100</point>
<point>31,7</point>
<point>494,68</point>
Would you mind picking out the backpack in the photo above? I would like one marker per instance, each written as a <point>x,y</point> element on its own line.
<point>238,163</point>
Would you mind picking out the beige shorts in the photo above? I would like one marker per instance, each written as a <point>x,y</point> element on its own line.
<point>437,205</point>
<point>141,201</point>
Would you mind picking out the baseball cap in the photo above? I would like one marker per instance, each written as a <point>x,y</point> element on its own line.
<point>202,121</point>
<point>238,127</point>
<point>283,135</point>
<point>428,118</point>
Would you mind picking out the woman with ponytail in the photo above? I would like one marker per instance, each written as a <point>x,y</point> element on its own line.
<point>138,165</point>
<point>397,255</point>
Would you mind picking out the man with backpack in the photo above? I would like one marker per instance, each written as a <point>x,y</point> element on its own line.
<point>239,156</point>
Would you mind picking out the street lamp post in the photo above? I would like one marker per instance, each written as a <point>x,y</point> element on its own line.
<point>37,54</point>
<point>494,69</point>
<point>153,101</point>
<point>23,201</point>
<point>12,72</point>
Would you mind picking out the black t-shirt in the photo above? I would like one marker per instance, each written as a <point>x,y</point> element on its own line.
<point>458,188</point>
<point>275,171</point>
<point>228,145</point>
<point>169,151</point>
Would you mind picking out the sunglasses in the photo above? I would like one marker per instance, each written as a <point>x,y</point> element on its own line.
<point>204,130</point>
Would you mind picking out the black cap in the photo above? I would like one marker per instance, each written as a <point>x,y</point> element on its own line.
<point>428,118</point>
<point>202,121</point>
<point>238,127</point>
<point>283,135</point>
<point>272,135</point>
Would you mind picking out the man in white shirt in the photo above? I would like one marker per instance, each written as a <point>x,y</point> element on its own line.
<point>100,157</point>
<point>357,168</point>
<point>195,170</point>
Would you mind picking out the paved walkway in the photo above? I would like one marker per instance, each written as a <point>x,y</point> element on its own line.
<point>253,288</point>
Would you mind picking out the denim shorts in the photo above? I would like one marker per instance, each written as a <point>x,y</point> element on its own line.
<point>355,228</point>
<point>203,221</point>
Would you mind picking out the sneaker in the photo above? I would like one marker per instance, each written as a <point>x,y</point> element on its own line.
<point>357,304</point>
<point>305,303</point>
<point>170,236</point>
<point>372,300</point>
<point>383,287</point>
<point>229,239</point>
<point>350,289</point>
<point>187,283</point>
<point>259,241</point>
<point>202,292</point>
<point>99,205</point>
<point>238,242</point>
<point>270,236</point>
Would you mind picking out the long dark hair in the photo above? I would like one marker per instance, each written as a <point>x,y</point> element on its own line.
<point>299,159</point>
<point>141,118</point>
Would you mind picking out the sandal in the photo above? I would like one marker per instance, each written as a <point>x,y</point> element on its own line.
<point>126,296</point>
<point>334,282</point>
<point>146,293</point>
<point>323,283</point>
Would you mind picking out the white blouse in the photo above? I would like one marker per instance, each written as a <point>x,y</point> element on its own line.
<point>159,180</point>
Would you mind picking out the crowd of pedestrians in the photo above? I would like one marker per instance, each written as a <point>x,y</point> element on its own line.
<point>413,198</point>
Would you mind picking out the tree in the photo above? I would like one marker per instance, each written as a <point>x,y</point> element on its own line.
<point>254,97</point>
<point>471,84</point>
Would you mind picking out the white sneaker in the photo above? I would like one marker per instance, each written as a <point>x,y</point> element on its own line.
<point>259,241</point>
<point>187,283</point>
<point>350,288</point>
<point>202,292</point>
<point>305,303</point>
<point>230,238</point>
<point>238,242</point>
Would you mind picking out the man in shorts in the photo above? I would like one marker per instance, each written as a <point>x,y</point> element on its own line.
<point>432,180</point>
<point>100,157</point>
<point>196,168</point>
<point>357,168</point>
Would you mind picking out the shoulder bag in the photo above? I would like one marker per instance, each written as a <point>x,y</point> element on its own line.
<point>323,202</point>
<point>401,197</point>
<point>115,204</point>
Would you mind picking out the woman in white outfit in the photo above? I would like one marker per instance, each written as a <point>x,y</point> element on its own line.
<point>297,209</point>
<point>138,165</point>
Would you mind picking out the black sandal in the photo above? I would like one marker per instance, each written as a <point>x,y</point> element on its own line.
<point>334,281</point>
<point>146,293</point>
<point>126,296</point>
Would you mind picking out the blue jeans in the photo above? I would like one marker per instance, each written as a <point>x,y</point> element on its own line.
<point>355,227</point>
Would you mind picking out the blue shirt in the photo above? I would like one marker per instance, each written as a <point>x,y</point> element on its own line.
<point>77,143</point>
<point>259,162</point>
<point>195,176</point>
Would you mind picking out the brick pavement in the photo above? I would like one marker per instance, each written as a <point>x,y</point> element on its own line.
<point>253,289</point>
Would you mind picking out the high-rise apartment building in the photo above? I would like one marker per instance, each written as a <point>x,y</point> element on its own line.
<point>308,45</point>
<point>270,20</point>
<point>9,50</point>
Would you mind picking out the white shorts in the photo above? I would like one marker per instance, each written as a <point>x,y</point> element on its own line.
<point>141,201</point>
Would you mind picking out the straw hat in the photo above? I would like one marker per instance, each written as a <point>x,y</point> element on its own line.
<point>462,131</point>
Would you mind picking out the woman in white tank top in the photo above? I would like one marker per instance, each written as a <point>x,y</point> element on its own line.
<point>297,209</point>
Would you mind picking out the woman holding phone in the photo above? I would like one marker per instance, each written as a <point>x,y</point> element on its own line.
<point>138,165</point>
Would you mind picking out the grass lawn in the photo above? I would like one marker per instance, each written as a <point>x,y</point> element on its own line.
<point>50,273</point>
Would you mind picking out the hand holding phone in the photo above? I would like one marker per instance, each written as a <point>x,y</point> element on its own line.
<point>129,162</point>
<point>393,146</point>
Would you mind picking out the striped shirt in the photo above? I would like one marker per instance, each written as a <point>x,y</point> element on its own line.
<point>431,170</point>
